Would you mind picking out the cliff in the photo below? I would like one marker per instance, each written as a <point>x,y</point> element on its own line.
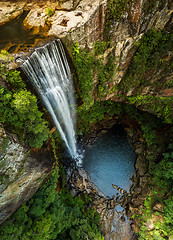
<point>21,174</point>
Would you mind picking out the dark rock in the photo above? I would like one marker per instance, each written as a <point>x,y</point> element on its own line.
<point>143,181</point>
<point>158,207</point>
<point>114,186</point>
<point>122,218</point>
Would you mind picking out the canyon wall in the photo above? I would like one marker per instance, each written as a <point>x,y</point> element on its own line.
<point>21,174</point>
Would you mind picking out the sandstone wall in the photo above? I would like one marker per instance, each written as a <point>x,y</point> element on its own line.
<point>20,174</point>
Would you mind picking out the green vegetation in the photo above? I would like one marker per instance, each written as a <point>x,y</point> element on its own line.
<point>152,56</point>
<point>50,11</point>
<point>19,111</point>
<point>100,47</point>
<point>158,105</point>
<point>150,6</point>
<point>89,67</point>
<point>52,215</point>
<point>90,118</point>
<point>159,158</point>
<point>85,65</point>
<point>115,9</point>
<point>163,221</point>
<point>160,178</point>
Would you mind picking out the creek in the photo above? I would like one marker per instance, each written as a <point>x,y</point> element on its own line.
<point>15,37</point>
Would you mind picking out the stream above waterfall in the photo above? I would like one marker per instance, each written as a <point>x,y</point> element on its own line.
<point>110,161</point>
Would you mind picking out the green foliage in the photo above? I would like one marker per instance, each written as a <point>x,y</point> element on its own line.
<point>87,119</point>
<point>162,230</point>
<point>168,215</point>
<point>160,106</point>
<point>150,6</point>
<point>50,11</point>
<point>151,57</point>
<point>85,65</point>
<point>115,9</point>
<point>19,111</point>
<point>88,67</point>
<point>154,47</point>
<point>163,174</point>
<point>52,215</point>
<point>163,182</point>
<point>5,56</point>
<point>100,47</point>
<point>14,79</point>
<point>105,76</point>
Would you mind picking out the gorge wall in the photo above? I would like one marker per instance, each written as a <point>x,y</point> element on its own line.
<point>21,174</point>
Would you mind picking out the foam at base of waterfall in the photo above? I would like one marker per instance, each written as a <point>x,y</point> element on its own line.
<point>79,158</point>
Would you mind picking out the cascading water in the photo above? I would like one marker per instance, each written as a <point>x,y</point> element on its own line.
<point>48,70</point>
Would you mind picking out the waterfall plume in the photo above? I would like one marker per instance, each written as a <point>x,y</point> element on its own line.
<point>48,70</point>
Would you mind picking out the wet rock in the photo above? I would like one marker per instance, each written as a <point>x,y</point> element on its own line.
<point>125,201</point>
<point>121,191</point>
<point>140,166</point>
<point>102,132</point>
<point>114,186</point>
<point>138,201</point>
<point>158,207</point>
<point>136,190</point>
<point>118,199</point>
<point>143,181</point>
<point>8,12</point>
<point>150,225</point>
<point>134,227</point>
<point>112,203</point>
<point>139,149</point>
<point>122,218</point>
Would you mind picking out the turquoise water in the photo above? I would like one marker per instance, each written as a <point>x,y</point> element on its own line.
<point>111,161</point>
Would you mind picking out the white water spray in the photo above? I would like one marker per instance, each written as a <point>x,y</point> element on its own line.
<point>48,70</point>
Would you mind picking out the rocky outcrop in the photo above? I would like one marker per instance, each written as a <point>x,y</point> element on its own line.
<point>10,11</point>
<point>82,23</point>
<point>79,182</point>
<point>20,174</point>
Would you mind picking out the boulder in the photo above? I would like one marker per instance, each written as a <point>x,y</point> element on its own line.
<point>158,207</point>
<point>10,11</point>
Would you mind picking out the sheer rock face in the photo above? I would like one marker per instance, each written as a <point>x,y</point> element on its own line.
<point>10,11</point>
<point>82,23</point>
<point>20,174</point>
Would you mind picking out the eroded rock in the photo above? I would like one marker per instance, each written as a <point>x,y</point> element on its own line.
<point>21,174</point>
<point>10,11</point>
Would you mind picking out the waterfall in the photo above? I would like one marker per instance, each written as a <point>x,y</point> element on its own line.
<point>48,70</point>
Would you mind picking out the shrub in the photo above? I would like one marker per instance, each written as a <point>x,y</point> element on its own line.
<point>19,111</point>
<point>50,12</point>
